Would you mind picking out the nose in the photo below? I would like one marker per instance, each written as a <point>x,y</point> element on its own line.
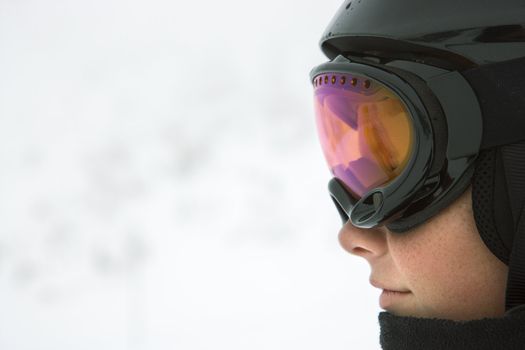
<point>369,243</point>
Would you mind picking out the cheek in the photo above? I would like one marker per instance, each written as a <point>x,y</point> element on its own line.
<point>447,280</point>
<point>428,274</point>
<point>439,282</point>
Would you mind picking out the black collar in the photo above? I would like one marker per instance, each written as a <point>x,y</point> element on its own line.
<point>407,333</point>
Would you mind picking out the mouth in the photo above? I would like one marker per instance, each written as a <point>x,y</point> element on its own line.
<point>388,289</point>
<point>389,297</point>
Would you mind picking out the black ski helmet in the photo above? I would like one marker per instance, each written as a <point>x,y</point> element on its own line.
<point>485,43</point>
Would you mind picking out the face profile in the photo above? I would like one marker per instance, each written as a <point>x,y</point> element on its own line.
<point>427,164</point>
<point>440,269</point>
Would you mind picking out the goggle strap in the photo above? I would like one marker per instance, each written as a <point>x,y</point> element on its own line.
<point>515,293</point>
<point>500,88</point>
<point>513,157</point>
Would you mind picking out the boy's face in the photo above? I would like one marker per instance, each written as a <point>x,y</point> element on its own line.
<point>445,265</point>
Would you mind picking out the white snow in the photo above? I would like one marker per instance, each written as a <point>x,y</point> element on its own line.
<point>161,181</point>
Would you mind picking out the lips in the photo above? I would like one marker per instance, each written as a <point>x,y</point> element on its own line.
<point>388,299</point>
<point>388,287</point>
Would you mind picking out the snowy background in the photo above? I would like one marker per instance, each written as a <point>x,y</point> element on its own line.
<point>161,182</point>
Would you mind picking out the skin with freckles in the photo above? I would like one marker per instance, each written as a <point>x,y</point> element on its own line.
<point>443,262</point>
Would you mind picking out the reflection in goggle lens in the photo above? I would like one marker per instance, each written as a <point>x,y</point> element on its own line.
<point>365,130</point>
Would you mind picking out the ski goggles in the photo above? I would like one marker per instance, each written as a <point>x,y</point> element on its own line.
<point>396,140</point>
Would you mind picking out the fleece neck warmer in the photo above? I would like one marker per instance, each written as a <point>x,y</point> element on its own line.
<point>408,333</point>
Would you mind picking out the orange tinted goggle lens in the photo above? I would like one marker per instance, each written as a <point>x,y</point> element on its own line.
<point>365,130</point>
